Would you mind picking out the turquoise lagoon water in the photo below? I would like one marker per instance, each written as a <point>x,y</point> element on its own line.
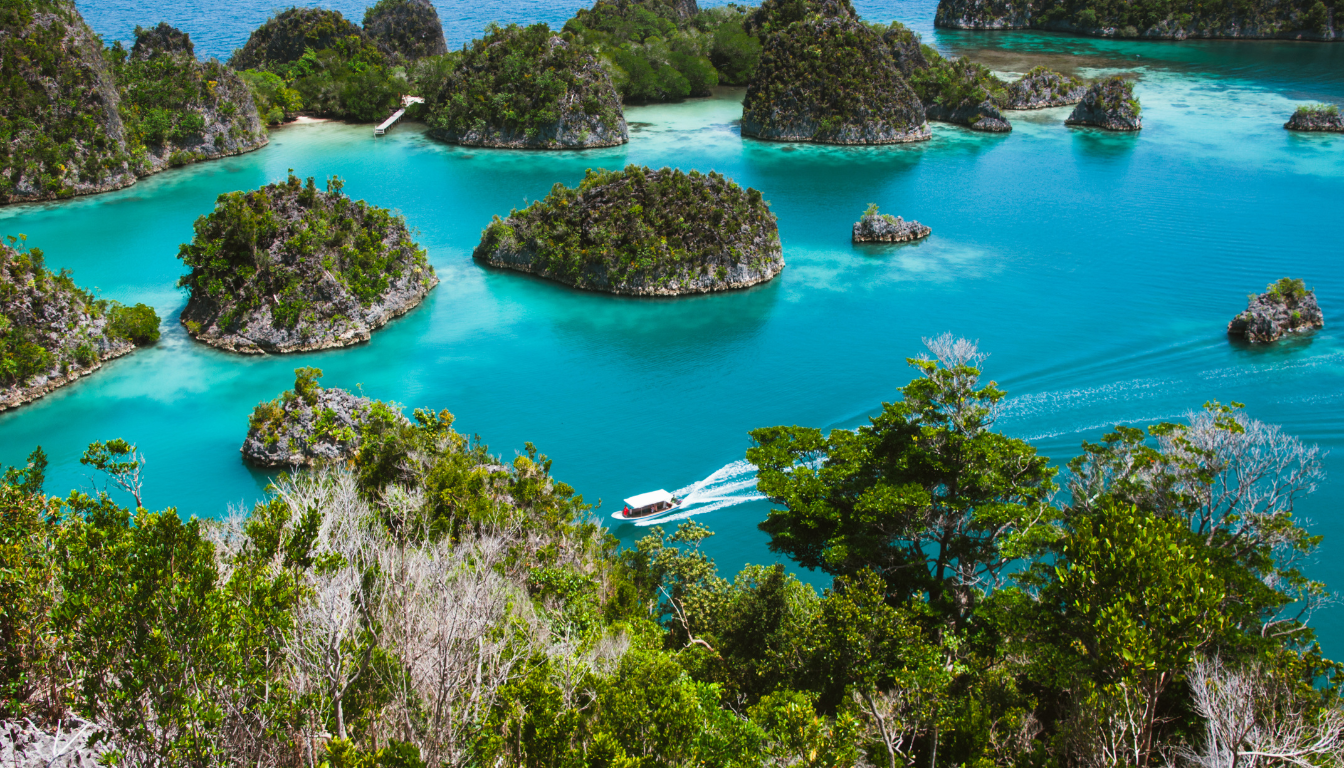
<point>1099,270</point>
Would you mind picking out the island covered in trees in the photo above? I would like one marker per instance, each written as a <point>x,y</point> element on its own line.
<point>290,268</point>
<point>1288,20</point>
<point>52,331</point>
<point>641,232</point>
<point>310,424</point>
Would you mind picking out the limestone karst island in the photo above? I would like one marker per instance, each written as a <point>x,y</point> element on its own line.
<point>671,384</point>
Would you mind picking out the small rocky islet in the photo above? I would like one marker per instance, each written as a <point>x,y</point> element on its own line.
<point>524,88</point>
<point>1042,88</point>
<point>311,425</point>
<point>1286,307</point>
<point>1325,118</point>
<point>290,268</point>
<point>1109,104</point>
<point>875,227</point>
<point>80,119</point>
<point>52,332</point>
<point>641,232</point>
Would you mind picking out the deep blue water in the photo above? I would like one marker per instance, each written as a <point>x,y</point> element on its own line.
<point>1099,270</point>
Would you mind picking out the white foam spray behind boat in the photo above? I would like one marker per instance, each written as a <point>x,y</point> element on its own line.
<point>726,487</point>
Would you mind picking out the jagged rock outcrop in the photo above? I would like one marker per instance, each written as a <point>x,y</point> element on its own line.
<point>1316,117</point>
<point>1285,307</point>
<point>640,232</point>
<point>285,36</point>
<point>1109,103</point>
<point>52,332</point>
<point>176,109</point>
<point>405,30</point>
<point>1288,20</point>
<point>310,425</point>
<point>80,120</point>
<point>1040,88</point>
<point>877,227</point>
<point>526,88</point>
<point>961,92</point>
<point>906,48</point>
<point>831,79</point>
<point>59,112</point>
<point>288,268</point>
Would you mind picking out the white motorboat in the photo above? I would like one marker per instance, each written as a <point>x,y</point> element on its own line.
<point>649,505</point>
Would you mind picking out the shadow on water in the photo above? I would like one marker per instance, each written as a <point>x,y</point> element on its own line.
<point>1286,348</point>
<point>1100,144</point>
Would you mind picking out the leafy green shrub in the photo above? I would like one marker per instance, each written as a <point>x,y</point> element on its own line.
<point>955,83</point>
<point>276,102</point>
<point>1287,290</point>
<point>1318,109</point>
<point>655,54</point>
<point>138,324</point>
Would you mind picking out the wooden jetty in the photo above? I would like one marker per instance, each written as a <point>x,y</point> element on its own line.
<point>406,101</point>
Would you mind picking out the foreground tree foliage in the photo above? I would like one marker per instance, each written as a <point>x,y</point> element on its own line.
<point>429,604</point>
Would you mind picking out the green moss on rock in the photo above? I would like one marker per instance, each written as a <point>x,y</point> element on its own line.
<point>1110,104</point>
<point>288,268</point>
<point>523,87</point>
<point>52,331</point>
<point>641,232</point>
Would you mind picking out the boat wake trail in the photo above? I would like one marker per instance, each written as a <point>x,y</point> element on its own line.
<point>729,486</point>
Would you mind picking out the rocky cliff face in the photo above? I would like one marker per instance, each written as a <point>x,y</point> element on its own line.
<point>877,227</point>
<point>1285,307</point>
<point>984,116</point>
<point>288,268</point>
<point>961,92</point>
<point>1108,104</point>
<point>177,110</point>
<point>52,332</point>
<point>82,120</point>
<point>58,107</point>
<point>832,80</point>
<point>1290,20</point>
<point>310,425</point>
<point>1318,117</point>
<point>1041,88</point>
<point>640,232</point>
<point>526,89</point>
<point>405,30</point>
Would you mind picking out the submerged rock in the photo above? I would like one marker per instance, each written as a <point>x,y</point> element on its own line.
<point>830,79</point>
<point>287,268</point>
<point>405,30</point>
<point>640,232</point>
<point>877,227</point>
<point>310,425</point>
<point>52,332</point>
<point>1316,117</point>
<point>1041,88</point>
<point>525,88</point>
<point>1286,306</point>
<point>1109,104</point>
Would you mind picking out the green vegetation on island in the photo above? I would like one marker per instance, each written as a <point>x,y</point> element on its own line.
<point>1316,117</point>
<point>405,30</point>
<point>175,109</point>
<point>641,232</point>
<point>961,91</point>
<point>827,77</point>
<point>1109,103</point>
<point>429,604</point>
<point>1287,306</point>
<point>289,268</point>
<point>310,424</point>
<point>1041,87</point>
<point>522,87</point>
<point>1291,19</point>
<point>659,50</point>
<point>76,119</point>
<point>52,331</point>
<point>320,63</point>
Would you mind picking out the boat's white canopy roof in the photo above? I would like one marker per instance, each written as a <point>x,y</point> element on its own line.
<point>648,499</point>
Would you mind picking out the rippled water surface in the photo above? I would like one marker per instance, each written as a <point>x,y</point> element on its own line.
<point>1099,270</point>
